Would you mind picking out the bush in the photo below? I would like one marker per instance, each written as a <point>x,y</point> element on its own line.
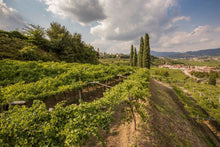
<point>212,79</point>
<point>162,73</point>
<point>29,53</point>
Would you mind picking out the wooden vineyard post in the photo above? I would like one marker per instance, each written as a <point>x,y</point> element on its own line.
<point>80,95</point>
<point>106,83</point>
<point>88,91</point>
<point>103,88</point>
<point>1,108</point>
<point>95,89</point>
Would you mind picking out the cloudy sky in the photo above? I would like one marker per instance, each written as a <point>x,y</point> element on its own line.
<point>113,25</point>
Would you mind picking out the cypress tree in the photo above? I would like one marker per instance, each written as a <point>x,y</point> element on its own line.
<point>146,52</point>
<point>212,78</point>
<point>140,53</point>
<point>135,57</point>
<point>131,55</point>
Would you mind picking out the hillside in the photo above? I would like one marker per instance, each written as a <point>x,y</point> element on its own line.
<point>74,104</point>
<point>54,44</point>
<point>163,54</point>
<point>190,54</point>
<point>168,124</point>
<point>200,53</point>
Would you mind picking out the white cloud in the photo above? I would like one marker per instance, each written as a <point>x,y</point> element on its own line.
<point>10,18</point>
<point>127,20</point>
<point>114,46</point>
<point>122,22</point>
<point>83,11</point>
<point>202,37</point>
<point>217,29</point>
<point>134,18</point>
<point>176,19</point>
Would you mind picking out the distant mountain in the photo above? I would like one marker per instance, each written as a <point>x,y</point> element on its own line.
<point>190,54</point>
<point>163,54</point>
<point>200,53</point>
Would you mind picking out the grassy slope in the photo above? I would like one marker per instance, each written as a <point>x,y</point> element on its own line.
<point>169,123</point>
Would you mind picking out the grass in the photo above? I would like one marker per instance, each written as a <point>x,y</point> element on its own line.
<point>189,105</point>
<point>123,61</point>
<point>207,96</point>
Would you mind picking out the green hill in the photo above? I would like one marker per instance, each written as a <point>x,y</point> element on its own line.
<point>54,44</point>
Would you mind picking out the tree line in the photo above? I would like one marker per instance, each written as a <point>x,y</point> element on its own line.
<point>35,41</point>
<point>143,58</point>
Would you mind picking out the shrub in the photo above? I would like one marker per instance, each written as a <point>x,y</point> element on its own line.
<point>29,53</point>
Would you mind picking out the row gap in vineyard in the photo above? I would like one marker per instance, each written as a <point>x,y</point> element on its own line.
<point>89,93</point>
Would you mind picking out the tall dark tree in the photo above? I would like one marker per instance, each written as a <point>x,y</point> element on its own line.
<point>135,57</point>
<point>212,78</point>
<point>140,53</point>
<point>131,55</point>
<point>146,52</point>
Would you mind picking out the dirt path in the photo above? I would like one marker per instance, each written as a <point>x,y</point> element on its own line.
<point>168,124</point>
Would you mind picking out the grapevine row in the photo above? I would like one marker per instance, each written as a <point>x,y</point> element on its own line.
<point>73,76</point>
<point>72,125</point>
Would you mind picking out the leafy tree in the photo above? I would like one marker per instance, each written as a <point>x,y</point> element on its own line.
<point>135,57</point>
<point>32,45</point>
<point>36,35</point>
<point>212,78</point>
<point>59,36</point>
<point>140,53</point>
<point>11,43</point>
<point>131,55</point>
<point>17,34</point>
<point>146,52</point>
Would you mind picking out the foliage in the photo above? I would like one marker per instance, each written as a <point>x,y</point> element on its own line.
<point>146,52</point>
<point>135,57</point>
<point>48,78</point>
<point>60,37</point>
<point>69,47</point>
<point>33,45</point>
<point>200,74</point>
<point>131,56</point>
<point>207,96</point>
<point>163,73</point>
<point>29,53</point>
<point>212,78</point>
<point>72,125</point>
<point>36,35</point>
<point>140,53</point>
<point>189,104</point>
<point>115,61</point>
<point>11,43</point>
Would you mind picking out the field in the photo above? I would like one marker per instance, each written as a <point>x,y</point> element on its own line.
<point>122,61</point>
<point>66,125</point>
<point>206,96</point>
<point>39,80</point>
<point>97,105</point>
<point>199,62</point>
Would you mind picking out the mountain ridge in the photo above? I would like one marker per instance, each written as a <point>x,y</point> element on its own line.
<point>188,54</point>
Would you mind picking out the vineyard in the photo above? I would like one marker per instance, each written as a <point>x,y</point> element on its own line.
<point>206,96</point>
<point>66,125</point>
<point>35,80</point>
